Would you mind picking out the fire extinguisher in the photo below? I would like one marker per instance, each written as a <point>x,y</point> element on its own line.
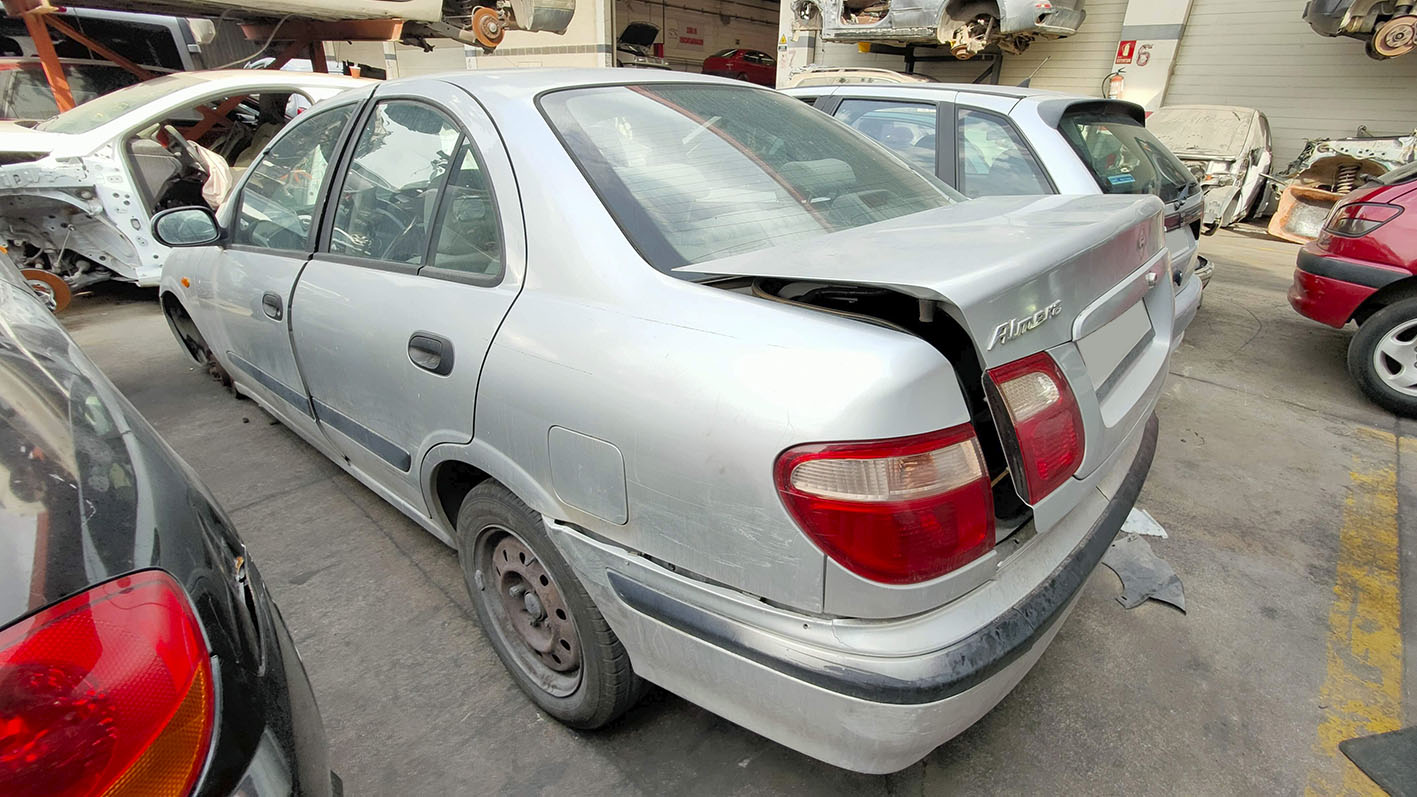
<point>1114,85</point>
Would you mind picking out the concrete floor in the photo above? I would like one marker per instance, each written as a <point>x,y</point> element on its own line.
<point>1263,477</point>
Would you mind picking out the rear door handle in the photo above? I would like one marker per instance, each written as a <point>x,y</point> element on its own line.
<point>432,353</point>
<point>271,304</point>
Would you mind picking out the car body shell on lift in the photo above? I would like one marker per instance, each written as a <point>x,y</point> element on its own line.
<point>967,25</point>
<point>640,413</point>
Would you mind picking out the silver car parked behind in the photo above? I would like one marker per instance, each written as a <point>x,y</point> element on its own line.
<point>627,341</point>
<point>999,140</point>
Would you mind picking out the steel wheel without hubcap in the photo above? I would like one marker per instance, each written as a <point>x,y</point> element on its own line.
<point>1395,358</point>
<point>530,614</point>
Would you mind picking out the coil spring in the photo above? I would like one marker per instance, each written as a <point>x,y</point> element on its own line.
<point>1347,178</point>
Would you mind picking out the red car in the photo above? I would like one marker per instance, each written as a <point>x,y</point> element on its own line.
<point>1363,268</point>
<point>750,65</point>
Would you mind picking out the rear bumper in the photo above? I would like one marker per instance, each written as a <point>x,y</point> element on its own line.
<point>1188,301</point>
<point>1204,270</point>
<point>871,696</point>
<point>1330,289</point>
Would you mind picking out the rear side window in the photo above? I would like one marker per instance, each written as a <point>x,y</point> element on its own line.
<point>994,160</point>
<point>467,238</point>
<point>1124,157</point>
<point>906,128</point>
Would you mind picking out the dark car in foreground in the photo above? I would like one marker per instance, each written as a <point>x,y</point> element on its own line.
<point>1363,268</point>
<point>139,651</point>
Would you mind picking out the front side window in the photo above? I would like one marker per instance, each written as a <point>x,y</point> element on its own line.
<point>278,202</point>
<point>386,204</point>
<point>994,160</point>
<point>1124,157</point>
<point>695,172</point>
<point>906,128</point>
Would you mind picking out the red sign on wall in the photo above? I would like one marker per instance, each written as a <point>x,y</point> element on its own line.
<point>690,36</point>
<point>1125,51</point>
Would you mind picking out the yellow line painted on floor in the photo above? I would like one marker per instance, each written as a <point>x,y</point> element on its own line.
<point>1362,690</point>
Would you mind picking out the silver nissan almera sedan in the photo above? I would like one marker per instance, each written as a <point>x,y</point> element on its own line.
<point>707,389</point>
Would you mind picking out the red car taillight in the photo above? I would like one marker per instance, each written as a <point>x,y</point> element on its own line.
<point>1046,422</point>
<point>1357,219</point>
<point>897,511</point>
<point>108,692</point>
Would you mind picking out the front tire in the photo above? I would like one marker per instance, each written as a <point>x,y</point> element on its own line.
<point>1382,357</point>
<point>544,627</point>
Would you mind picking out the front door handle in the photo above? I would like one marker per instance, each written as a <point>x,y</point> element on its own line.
<point>432,353</point>
<point>271,304</point>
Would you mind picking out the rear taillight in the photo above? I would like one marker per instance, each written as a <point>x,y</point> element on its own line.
<point>1045,421</point>
<point>108,692</point>
<point>897,511</point>
<point>1357,219</point>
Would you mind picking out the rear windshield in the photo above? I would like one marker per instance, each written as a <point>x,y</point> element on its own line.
<point>724,53</point>
<point>696,172</point>
<point>1124,157</point>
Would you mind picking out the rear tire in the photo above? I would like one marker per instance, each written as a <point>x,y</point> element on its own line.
<point>538,618</point>
<point>1382,357</point>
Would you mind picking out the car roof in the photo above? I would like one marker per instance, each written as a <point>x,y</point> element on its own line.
<point>528,83</point>
<point>972,88</point>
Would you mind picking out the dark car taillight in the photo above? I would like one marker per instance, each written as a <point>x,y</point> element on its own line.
<point>1045,421</point>
<point>107,692</point>
<point>897,511</point>
<point>1357,219</point>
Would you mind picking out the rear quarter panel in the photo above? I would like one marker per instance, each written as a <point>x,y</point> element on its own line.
<point>700,389</point>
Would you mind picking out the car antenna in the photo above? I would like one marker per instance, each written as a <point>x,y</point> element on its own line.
<point>1024,83</point>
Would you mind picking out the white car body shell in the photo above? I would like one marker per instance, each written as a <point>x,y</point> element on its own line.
<point>75,192</point>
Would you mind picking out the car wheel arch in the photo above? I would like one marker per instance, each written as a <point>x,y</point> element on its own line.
<point>451,470</point>
<point>1392,292</point>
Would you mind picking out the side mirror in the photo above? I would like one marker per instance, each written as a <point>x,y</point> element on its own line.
<point>190,226</point>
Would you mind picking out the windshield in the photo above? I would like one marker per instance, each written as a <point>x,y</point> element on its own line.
<point>97,112</point>
<point>1124,157</point>
<point>1201,131</point>
<point>696,172</point>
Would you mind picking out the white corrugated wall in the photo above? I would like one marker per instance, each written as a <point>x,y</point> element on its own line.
<point>1077,64</point>
<point>1263,55</point>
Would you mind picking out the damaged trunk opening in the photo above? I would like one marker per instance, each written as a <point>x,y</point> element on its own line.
<point>929,321</point>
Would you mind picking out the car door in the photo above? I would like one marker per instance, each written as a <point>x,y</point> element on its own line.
<point>272,233</point>
<point>421,255</point>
